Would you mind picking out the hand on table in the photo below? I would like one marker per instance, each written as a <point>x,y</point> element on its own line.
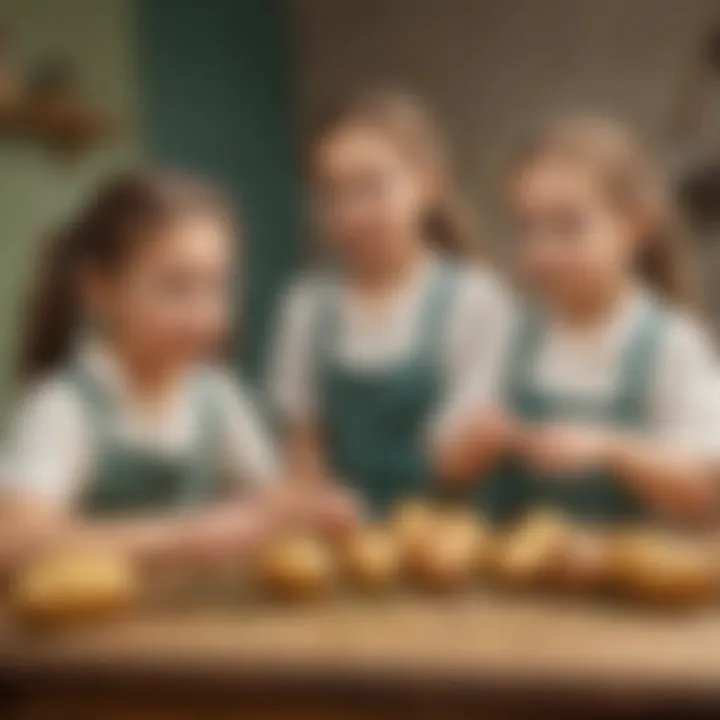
<point>226,532</point>
<point>321,504</point>
<point>562,448</point>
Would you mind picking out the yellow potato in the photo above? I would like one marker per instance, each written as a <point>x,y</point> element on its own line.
<point>74,586</point>
<point>663,569</point>
<point>296,568</point>
<point>529,553</point>
<point>582,561</point>
<point>450,554</point>
<point>370,558</point>
<point>412,522</point>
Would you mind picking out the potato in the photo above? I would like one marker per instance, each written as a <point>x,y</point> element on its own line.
<point>529,553</point>
<point>663,569</point>
<point>370,558</point>
<point>74,586</point>
<point>449,556</point>
<point>411,523</point>
<point>296,568</point>
<point>582,561</point>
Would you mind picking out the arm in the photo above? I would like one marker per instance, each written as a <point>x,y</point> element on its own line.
<point>677,482</point>
<point>679,467</point>
<point>292,384</point>
<point>299,492</point>
<point>470,432</point>
<point>303,451</point>
<point>675,463</point>
<point>30,527</point>
<point>473,447</point>
<point>680,483</point>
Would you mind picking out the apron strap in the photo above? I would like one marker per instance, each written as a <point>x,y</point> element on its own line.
<point>432,322</point>
<point>324,327</point>
<point>524,349</point>
<point>636,366</point>
<point>200,471</point>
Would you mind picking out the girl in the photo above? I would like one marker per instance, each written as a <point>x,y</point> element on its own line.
<point>373,356</point>
<point>124,418</point>
<point>612,381</point>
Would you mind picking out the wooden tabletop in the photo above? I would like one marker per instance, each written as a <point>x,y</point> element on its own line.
<point>505,638</point>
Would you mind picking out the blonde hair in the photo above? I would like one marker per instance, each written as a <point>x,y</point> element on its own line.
<point>633,184</point>
<point>406,121</point>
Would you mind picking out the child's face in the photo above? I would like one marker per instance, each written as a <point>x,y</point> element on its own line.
<point>369,196</point>
<point>572,243</point>
<point>170,303</point>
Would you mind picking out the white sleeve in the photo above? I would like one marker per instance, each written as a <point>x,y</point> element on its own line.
<point>292,386</point>
<point>478,339</point>
<point>687,391</point>
<point>247,453</point>
<point>45,455</point>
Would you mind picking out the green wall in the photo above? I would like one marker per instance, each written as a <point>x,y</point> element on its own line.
<point>216,101</point>
<point>199,85</point>
<point>36,190</point>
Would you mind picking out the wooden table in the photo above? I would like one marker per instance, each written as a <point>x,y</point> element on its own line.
<point>445,658</point>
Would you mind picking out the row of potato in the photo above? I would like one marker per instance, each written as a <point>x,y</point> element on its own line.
<point>429,549</point>
<point>444,551</point>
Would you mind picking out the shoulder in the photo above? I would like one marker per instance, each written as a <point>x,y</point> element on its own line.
<point>480,285</point>
<point>480,278</point>
<point>482,295</point>
<point>52,396</point>
<point>304,294</point>
<point>47,446</point>
<point>226,387</point>
<point>687,343</point>
<point>301,306</point>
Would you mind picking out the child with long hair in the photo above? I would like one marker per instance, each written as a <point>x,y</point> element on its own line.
<point>128,434</point>
<point>611,380</point>
<point>375,353</point>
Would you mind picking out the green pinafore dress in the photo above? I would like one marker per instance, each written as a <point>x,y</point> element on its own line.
<point>128,480</point>
<point>594,496</point>
<point>374,421</point>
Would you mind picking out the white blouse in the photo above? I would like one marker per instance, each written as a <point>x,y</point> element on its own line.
<point>50,451</point>
<point>684,389</point>
<point>378,331</point>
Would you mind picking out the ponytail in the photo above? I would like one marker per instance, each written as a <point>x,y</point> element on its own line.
<point>446,227</point>
<point>403,118</point>
<point>52,313</point>
<point>122,214</point>
<point>663,264</point>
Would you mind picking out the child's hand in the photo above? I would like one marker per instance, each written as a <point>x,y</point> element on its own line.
<point>500,432</point>
<point>560,448</point>
<point>322,505</point>
<point>225,532</point>
<point>474,444</point>
<point>337,510</point>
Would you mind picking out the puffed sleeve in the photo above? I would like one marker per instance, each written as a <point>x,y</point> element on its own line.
<point>248,454</point>
<point>686,402</point>
<point>477,343</point>
<point>292,386</point>
<point>46,453</point>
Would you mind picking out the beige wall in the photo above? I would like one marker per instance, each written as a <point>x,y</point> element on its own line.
<point>491,68</point>
<point>36,190</point>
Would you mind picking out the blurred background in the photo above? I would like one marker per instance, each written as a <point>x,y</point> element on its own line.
<point>229,89</point>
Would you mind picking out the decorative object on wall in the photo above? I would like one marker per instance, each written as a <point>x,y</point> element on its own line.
<point>57,113</point>
<point>699,181</point>
<point>48,106</point>
<point>11,85</point>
